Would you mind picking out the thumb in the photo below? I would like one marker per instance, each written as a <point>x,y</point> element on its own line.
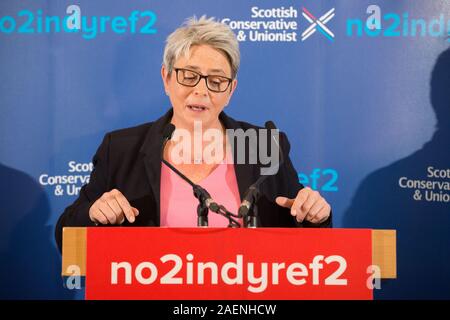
<point>284,202</point>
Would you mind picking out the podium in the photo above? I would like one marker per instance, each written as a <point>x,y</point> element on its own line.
<point>227,263</point>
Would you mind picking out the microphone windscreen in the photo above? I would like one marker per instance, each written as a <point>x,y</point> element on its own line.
<point>168,131</point>
<point>270,125</point>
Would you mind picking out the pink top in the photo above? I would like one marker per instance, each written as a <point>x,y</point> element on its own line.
<point>179,206</point>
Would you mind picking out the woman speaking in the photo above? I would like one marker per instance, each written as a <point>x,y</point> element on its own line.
<point>142,177</point>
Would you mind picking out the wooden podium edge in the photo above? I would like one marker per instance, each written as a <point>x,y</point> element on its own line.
<point>74,251</point>
<point>384,252</point>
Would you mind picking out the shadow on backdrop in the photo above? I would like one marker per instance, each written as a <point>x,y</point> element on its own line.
<point>30,263</point>
<point>420,216</point>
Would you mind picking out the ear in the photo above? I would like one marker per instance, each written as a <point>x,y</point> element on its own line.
<point>233,86</point>
<point>165,78</point>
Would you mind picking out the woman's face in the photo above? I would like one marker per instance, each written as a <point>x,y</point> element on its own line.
<point>198,103</point>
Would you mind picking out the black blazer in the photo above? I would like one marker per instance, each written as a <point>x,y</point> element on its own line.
<point>129,160</point>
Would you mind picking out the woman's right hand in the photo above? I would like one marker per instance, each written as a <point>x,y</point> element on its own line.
<point>112,208</point>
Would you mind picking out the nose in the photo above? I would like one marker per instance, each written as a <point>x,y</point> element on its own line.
<point>201,89</point>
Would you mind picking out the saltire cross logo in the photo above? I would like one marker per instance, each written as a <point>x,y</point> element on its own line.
<point>318,24</point>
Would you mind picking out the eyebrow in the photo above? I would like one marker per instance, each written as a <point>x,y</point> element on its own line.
<point>209,70</point>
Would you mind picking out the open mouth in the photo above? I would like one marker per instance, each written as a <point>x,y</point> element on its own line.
<point>196,107</point>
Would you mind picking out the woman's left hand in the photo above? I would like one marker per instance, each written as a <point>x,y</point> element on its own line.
<point>308,204</point>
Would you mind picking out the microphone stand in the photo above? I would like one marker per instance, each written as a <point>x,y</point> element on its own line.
<point>202,208</point>
<point>249,217</point>
<point>248,210</point>
<point>232,223</point>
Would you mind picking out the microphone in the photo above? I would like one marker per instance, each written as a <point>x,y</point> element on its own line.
<point>248,210</point>
<point>205,200</point>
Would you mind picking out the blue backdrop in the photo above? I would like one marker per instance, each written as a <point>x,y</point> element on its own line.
<point>364,99</point>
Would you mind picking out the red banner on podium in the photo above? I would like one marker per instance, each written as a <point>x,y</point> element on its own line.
<point>227,264</point>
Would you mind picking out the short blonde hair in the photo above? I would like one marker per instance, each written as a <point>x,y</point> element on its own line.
<point>204,31</point>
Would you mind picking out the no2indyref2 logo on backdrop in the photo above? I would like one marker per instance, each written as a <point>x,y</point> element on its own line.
<point>392,24</point>
<point>37,22</point>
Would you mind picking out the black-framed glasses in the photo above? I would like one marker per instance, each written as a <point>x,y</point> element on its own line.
<point>191,78</point>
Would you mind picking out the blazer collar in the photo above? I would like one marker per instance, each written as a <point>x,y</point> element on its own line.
<point>151,151</point>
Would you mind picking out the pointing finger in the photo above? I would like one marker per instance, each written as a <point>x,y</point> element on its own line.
<point>125,205</point>
<point>284,202</point>
<point>296,209</point>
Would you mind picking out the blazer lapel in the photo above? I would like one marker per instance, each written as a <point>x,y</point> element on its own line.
<point>151,155</point>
